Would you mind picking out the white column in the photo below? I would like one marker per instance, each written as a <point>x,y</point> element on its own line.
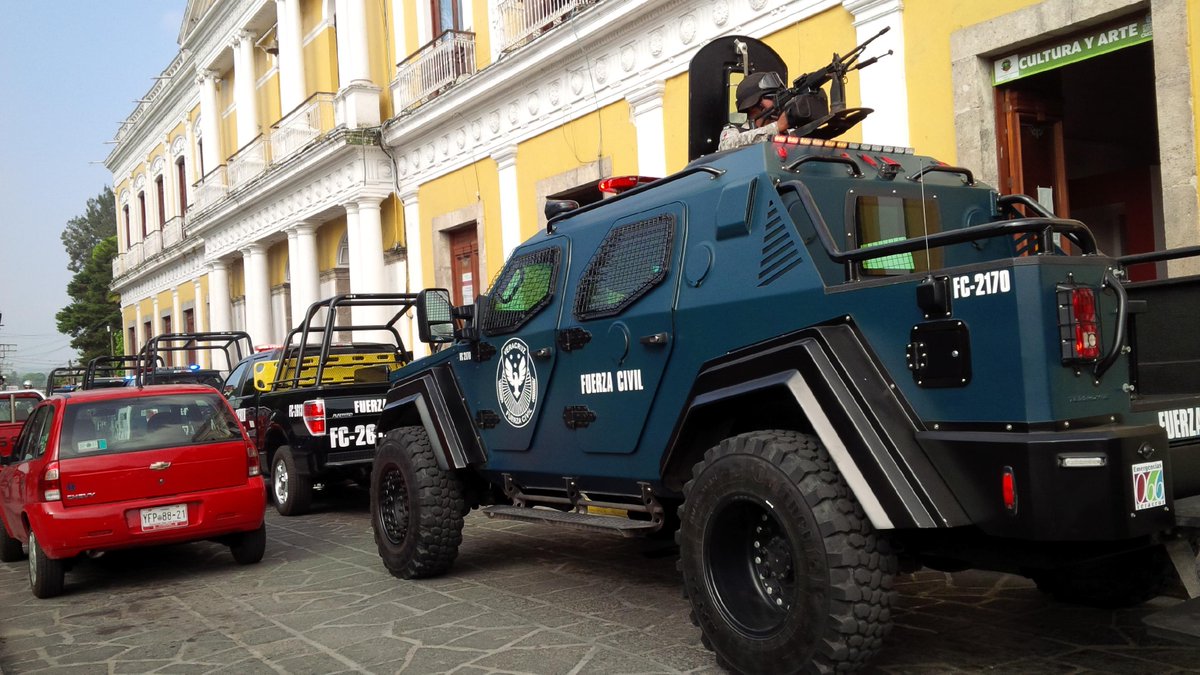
<point>198,315</point>
<point>168,175</point>
<point>244,94</point>
<point>190,160</point>
<point>155,320</point>
<point>510,207</point>
<point>646,113</point>
<point>303,267</point>
<point>291,54</point>
<point>210,129</point>
<point>221,309</point>
<point>883,84</point>
<point>258,293</point>
<point>412,242</point>
<point>352,248</point>
<point>358,97</point>
<point>138,339</point>
<point>370,259</point>
<point>176,358</point>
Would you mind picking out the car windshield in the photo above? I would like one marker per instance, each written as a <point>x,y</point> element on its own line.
<point>146,422</point>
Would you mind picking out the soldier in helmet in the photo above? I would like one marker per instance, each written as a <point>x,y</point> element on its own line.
<point>756,98</point>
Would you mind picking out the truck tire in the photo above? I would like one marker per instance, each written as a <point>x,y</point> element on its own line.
<point>248,548</point>
<point>291,489</point>
<point>1123,580</point>
<point>10,548</point>
<point>417,508</point>
<point>46,575</point>
<point>783,570</point>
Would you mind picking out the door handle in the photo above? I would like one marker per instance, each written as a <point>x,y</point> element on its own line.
<point>655,339</point>
<point>543,353</point>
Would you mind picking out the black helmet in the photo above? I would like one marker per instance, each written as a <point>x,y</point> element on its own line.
<point>756,85</point>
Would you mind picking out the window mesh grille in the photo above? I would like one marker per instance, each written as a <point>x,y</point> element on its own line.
<point>632,260</point>
<point>521,289</point>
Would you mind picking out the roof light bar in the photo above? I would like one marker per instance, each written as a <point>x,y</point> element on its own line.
<point>842,145</point>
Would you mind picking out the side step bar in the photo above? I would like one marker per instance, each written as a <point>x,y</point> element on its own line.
<point>582,521</point>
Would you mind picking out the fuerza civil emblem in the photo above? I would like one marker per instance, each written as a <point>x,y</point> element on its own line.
<point>516,383</point>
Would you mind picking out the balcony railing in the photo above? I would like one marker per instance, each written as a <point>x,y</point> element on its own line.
<point>172,232</point>
<point>133,257</point>
<point>210,189</point>
<point>303,125</point>
<point>118,265</point>
<point>249,161</point>
<point>523,20</point>
<point>449,58</point>
<point>152,244</point>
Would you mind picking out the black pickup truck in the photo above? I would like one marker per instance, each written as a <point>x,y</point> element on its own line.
<point>312,404</point>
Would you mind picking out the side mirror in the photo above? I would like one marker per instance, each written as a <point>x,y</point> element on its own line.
<point>6,448</point>
<point>435,320</point>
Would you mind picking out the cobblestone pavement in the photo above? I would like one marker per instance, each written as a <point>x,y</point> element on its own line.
<point>522,598</point>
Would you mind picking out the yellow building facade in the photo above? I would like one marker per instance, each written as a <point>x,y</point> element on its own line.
<point>295,149</point>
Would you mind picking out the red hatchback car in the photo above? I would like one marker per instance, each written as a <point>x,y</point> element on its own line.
<point>119,468</point>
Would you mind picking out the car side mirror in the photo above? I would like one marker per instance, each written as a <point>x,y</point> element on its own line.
<point>6,448</point>
<point>435,316</point>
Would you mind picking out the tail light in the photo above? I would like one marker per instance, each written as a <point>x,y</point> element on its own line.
<point>1078,329</point>
<point>49,487</point>
<point>314,416</point>
<point>618,184</point>
<point>252,468</point>
<point>1008,488</point>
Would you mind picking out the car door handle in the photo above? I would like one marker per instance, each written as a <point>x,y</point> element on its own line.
<point>543,353</point>
<point>655,339</point>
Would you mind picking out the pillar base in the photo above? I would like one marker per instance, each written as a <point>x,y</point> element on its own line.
<point>358,104</point>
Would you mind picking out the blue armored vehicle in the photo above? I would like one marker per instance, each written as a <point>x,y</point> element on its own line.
<point>822,363</point>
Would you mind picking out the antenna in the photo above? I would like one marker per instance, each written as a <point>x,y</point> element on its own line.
<point>925,223</point>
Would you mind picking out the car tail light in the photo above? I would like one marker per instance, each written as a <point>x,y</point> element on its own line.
<point>1078,328</point>
<point>314,416</point>
<point>49,487</point>
<point>1008,487</point>
<point>252,468</point>
<point>618,184</point>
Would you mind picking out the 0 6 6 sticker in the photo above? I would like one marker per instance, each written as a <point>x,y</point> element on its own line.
<point>1149,486</point>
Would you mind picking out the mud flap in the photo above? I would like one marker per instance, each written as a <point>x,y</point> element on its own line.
<point>1181,623</point>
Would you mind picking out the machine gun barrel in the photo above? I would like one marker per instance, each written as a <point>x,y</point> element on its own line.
<point>835,72</point>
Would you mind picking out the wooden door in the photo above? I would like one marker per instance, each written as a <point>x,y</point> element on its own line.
<point>1032,160</point>
<point>464,264</point>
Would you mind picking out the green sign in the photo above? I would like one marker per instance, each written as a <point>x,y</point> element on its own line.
<point>1073,49</point>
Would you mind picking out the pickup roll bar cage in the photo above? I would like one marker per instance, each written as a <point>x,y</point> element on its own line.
<point>1044,226</point>
<point>301,339</point>
<point>116,366</point>
<point>73,373</point>
<point>213,341</point>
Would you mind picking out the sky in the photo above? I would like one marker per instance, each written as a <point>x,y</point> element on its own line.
<point>70,71</point>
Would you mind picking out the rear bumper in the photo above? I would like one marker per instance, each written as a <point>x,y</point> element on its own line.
<point>64,532</point>
<point>1057,502</point>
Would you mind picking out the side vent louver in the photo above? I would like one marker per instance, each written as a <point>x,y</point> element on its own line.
<point>780,252</point>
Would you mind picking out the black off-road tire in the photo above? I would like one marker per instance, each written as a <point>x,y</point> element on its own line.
<point>291,488</point>
<point>10,548</point>
<point>46,575</point>
<point>249,547</point>
<point>1124,580</point>
<point>784,571</point>
<point>417,508</point>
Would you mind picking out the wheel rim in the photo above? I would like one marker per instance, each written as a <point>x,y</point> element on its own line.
<point>33,559</point>
<point>749,567</point>
<point>279,481</point>
<point>393,505</point>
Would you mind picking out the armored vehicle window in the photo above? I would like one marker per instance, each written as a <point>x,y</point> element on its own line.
<point>632,260</point>
<point>885,219</point>
<point>523,288</point>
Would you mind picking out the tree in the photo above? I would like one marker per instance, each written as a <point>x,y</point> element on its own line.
<point>94,309</point>
<point>83,233</point>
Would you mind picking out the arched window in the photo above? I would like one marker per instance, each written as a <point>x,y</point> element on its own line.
<point>343,252</point>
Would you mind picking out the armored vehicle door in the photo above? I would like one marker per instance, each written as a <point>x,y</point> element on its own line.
<point>505,381</point>
<point>614,337</point>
